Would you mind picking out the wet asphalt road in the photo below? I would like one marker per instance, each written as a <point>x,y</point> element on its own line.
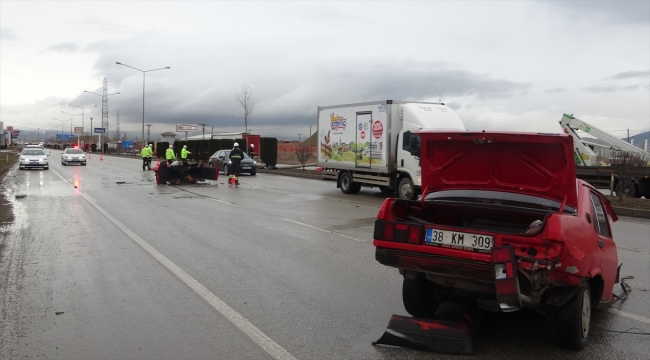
<point>214,271</point>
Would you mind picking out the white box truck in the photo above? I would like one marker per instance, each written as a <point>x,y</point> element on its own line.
<point>368,144</point>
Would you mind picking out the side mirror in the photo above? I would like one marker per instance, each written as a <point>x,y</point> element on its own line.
<point>414,145</point>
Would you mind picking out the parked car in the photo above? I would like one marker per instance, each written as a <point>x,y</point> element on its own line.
<point>502,222</point>
<point>221,160</point>
<point>33,157</point>
<point>73,156</point>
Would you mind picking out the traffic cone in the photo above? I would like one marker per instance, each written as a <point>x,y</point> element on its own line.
<point>89,156</point>
<point>101,158</point>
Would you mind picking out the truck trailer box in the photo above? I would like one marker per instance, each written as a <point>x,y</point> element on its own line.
<point>368,144</point>
<point>364,135</point>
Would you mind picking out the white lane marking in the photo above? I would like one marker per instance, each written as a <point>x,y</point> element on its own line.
<point>629,316</point>
<point>261,339</point>
<point>323,230</point>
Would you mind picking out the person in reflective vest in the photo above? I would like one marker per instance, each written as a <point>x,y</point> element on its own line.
<point>146,153</point>
<point>169,155</point>
<point>184,154</point>
<point>236,156</point>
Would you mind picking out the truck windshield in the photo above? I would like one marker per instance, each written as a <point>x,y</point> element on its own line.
<point>497,198</point>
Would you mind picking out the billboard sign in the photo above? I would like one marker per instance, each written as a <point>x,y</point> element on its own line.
<point>100,130</point>
<point>185,127</point>
<point>16,133</point>
<point>64,136</point>
<point>78,130</point>
<point>127,144</point>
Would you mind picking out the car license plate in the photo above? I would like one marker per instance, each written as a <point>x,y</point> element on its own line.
<point>246,167</point>
<point>459,240</point>
<point>33,163</point>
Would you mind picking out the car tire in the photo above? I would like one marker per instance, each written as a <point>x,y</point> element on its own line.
<point>84,164</point>
<point>62,163</point>
<point>419,297</point>
<point>21,168</point>
<point>347,185</point>
<point>406,189</point>
<point>386,190</point>
<point>225,169</point>
<point>573,320</point>
<point>46,168</point>
<point>253,173</point>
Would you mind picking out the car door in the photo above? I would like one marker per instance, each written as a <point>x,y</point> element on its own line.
<point>607,254</point>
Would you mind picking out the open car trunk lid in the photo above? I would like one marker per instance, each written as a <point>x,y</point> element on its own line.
<point>525,163</point>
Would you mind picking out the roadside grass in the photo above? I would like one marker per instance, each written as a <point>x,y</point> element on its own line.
<point>629,202</point>
<point>7,160</point>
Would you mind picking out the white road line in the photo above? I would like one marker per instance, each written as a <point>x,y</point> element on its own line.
<point>629,316</point>
<point>265,342</point>
<point>323,230</point>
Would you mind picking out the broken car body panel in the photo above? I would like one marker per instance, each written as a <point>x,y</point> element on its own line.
<point>514,192</point>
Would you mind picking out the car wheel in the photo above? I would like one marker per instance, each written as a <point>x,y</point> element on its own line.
<point>62,163</point>
<point>225,169</point>
<point>84,164</point>
<point>406,190</point>
<point>419,298</point>
<point>573,320</point>
<point>253,173</point>
<point>386,189</point>
<point>21,168</point>
<point>46,168</point>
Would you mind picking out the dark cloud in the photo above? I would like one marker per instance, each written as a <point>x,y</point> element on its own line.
<point>631,75</point>
<point>69,46</point>
<point>7,34</point>
<point>625,12</point>
<point>287,86</point>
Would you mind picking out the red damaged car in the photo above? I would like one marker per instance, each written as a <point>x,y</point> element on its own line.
<point>502,221</point>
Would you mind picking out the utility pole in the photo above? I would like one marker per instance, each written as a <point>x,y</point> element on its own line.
<point>203,130</point>
<point>309,130</point>
<point>117,126</point>
<point>148,132</point>
<point>299,137</point>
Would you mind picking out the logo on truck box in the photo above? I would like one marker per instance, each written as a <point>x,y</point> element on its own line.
<point>337,122</point>
<point>377,129</point>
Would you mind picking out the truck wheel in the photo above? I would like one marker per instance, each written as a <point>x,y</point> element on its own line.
<point>386,190</point>
<point>419,298</point>
<point>406,190</point>
<point>629,189</point>
<point>347,185</point>
<point>573,320</point>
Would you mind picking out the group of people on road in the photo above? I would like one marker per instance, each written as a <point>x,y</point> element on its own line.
<point>170,156</point>
<point>236,156</point>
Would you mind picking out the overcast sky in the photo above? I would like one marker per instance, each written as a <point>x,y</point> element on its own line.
<point>502,65</point>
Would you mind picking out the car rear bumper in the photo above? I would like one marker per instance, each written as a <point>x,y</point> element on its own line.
<point>470,275</point>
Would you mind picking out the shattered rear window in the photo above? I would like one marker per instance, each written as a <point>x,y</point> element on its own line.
<point>498,198</point>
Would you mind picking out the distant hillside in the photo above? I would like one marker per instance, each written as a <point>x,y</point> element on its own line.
<point>311,141</point>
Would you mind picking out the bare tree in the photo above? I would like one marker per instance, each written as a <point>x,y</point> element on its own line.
<point>245,99</point>
<point>303,153</point>
<point>630,167</point>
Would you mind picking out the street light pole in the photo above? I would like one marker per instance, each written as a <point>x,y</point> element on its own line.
<point>82,117</point>
<point>71,117</point>
<point>143,84</point>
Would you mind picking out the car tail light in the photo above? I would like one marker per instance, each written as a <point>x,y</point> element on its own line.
<point>506,283</point>
<point>398,232</point>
